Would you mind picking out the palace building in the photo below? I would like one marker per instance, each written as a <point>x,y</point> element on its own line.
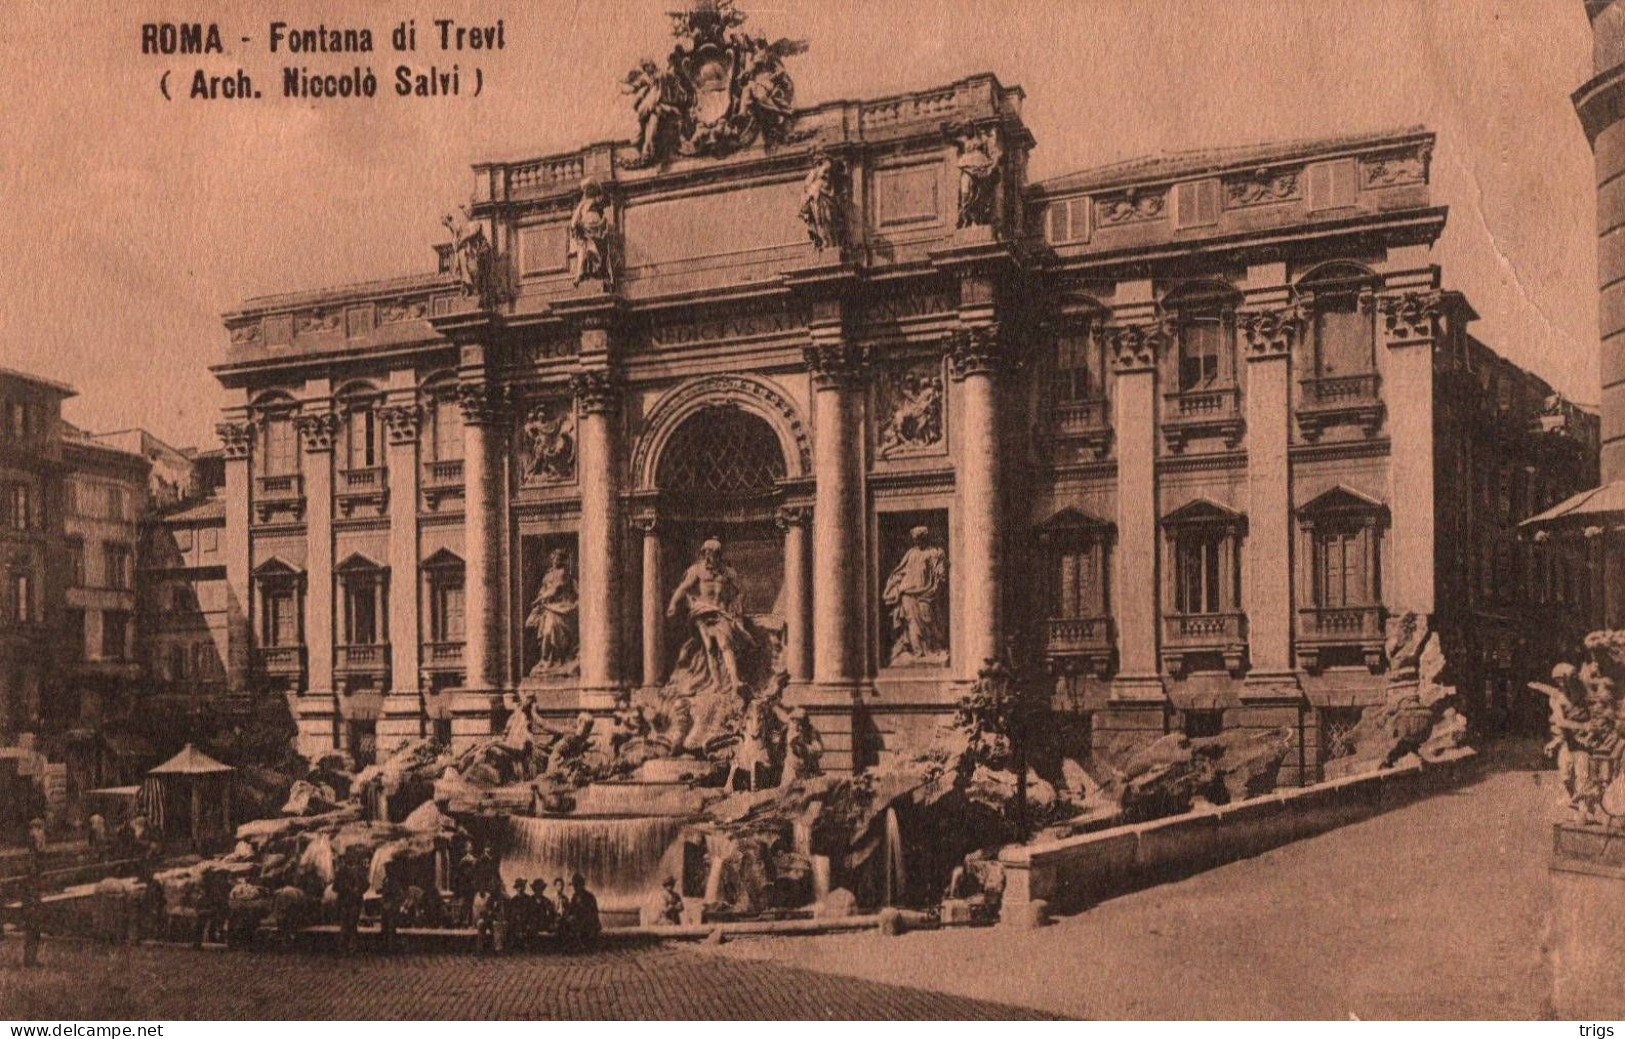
<point>1183,433</point>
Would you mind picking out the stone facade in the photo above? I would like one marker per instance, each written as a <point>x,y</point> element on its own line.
<point>1167,430</point>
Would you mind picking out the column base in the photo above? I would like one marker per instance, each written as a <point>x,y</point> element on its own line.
<point>316,714</point>
<point>472,712</point>
<point>1138,689</point>
<point>1272,687</point>
<point>401,721</point>
<point>600,698</point>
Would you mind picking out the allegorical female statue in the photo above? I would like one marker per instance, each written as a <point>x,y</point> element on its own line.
<point>916,592</point>
<point>553,616</point>
<point>592,236</point>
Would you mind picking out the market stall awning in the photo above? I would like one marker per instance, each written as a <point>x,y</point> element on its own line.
<point>190,762</point>
<point>1602,507</point>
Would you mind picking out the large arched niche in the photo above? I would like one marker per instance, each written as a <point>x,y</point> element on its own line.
<point>750,394</point>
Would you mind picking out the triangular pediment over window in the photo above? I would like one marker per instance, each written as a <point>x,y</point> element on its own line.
<point>357,561</point>
<point>275,567</point>
<point>1074,520</point>
<point>1203,510</point>
<point>1342,499</point>
<point>443,560</point>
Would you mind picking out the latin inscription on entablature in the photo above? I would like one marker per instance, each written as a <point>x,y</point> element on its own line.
<point>908,195</point>
<point>904,305</point>
<point>719,224</point>
<point>543,250</point>
<point>725,326</point>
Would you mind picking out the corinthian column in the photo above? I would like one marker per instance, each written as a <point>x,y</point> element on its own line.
<point>482,535</point>
<point>1409,324</point>
<point>838,562</point>
<point>654,609</point>
<point>1134,350</point>
<point>403,708</point>
<point>797,596</point>
<point>317,710</point>
<point>975,355</point>
<point>597,402</point>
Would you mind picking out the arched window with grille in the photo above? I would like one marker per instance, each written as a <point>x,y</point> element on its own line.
<point>721,452</point>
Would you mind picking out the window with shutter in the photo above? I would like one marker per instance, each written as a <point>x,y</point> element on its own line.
<point>1196,203</point>
<point>1332,184</point>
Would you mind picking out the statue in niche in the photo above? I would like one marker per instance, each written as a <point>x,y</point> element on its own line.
<point>550,431</point>
<point>727,656</point>
<point>916,592</point>
<point>592,236</point>
<point>916,414</point>
<point>553,617</point>
<point>821,207</point>
<point>981,158</point>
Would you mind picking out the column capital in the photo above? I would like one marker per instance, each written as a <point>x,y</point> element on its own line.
<point>835,361</point>
<point>317,431</point>
<point>481,402</point>
<point>1270,334</point>
<point>648,524</point>
<point>981,350</point>
<point>401,422</point>
<point>787,516</point>
<point>1409,317</point>
<point>597,391</point>
<point>1134,348</point>
<point>236,438</point>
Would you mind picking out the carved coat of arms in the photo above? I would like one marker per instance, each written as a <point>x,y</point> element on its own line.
<point>721,89</point>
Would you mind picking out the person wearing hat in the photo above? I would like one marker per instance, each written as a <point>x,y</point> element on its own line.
<point>915,592</point>
<point>521,915</point>
<point>546,913</point>
<point>581,925</point>
<point>31,891</point>
<point>671,911</point>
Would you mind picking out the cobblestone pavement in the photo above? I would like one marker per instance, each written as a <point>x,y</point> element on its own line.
<point>84,981</point>
<point>1435,910</point>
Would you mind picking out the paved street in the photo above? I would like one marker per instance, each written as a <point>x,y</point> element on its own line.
<point>1435,910</point>
<point>82,981</point>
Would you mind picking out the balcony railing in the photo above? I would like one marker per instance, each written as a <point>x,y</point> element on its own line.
<point>446,473</point>
<point>371,658</point>
<point>1077,634</point>
<point>283,660</point>
<point>1079,416</point>
<point>359,487</point>
<point>1222,633</point>
<point>1189,414</point>
<point>1339,389</point>
<point>1341,627</point>
<point>283,487</point>
<point>438,655</point>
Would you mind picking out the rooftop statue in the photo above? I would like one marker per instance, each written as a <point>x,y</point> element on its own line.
<point>592,236</point>
<point>721,89</point>
<point>478,266</point>
<point>823,209</point>
<point>981,158</point>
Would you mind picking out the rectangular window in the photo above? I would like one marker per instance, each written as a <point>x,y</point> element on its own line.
<point>1342,567</point>
<point>1203,584</point>
<point>1196,203</point>
<point>1332,185</point>
<point>446,616</point>
<point>183,538</point>
<point>76,563</point>
<point>280,618</point>
<point>20,507</point>
<point>115,503</point>
<point>1201,352</point>
<point>211,539</point>
<point>448,430</point>
<point>1078,374</point>
<point>70,497</point>
<point>363,434</point>
<point>281,457</point>
<point>115,565</point>
<point>22,598</point>
<point>1079,584</point>
<point>1067,221</point>
<point>73,633</point>
<point>115,634</point>
<point>1345,337</point>
<point>363,609</point>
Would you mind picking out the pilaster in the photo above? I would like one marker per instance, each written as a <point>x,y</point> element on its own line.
<point>317,708</point>
<point>237,439</point>
<point>1409,325</point>
<point>976,354</point>
<point>402,718</point>
<point>1134,350</point>
<point>654,614</point>
<point>598,404</point>
<point>794,520</point>
<point>482,525</point>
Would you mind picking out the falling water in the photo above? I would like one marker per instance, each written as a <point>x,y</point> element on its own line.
<point>623,858</point>
<point>318,856</point>
<point>896,875</point>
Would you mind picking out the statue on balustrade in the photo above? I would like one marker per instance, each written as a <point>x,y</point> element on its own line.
<point>553,617</point>
<point>550,430</point>
<point>981,158</point>
<point>475,261</point>
<point>917,592</point>
<point>822,209</point>
<point>659,99</point>
<point>592,236</point>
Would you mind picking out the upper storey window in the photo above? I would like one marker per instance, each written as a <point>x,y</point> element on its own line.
<point>1340,385</point>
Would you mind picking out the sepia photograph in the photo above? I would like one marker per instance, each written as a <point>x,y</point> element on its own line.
<point>737,510</point>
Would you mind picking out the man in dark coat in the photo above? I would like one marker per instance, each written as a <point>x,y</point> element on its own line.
<point>31,892</point>
<point>581,925</point>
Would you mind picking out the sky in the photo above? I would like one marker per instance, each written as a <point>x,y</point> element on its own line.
<point>142,220</point>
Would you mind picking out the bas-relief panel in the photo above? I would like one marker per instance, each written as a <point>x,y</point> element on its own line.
<point>911,411</point>
<point>546,444</point>
<point>696,226</point>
